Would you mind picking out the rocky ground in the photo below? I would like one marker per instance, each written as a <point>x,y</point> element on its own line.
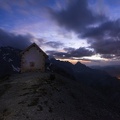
<point>44,96</point>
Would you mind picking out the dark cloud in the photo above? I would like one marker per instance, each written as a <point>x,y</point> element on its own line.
<point>80,52</point>
<point>107,47</point>
<point>23,41</point>
<point>17,41</point>
<point>108,56</point>
<point>76,16</point>
<point>54,44</point>
<point>69,49</point>
<point>71,53</point>
<point>105,39</point>
<point>108,29</point>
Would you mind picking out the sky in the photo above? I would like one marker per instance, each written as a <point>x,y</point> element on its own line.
<point>71,30</point>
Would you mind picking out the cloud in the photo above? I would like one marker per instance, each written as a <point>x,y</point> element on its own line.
<point>8,5</point>
<point>102,34</point>
<point>71,53</point>
<point>105,30</point>
<point>108,56</point>
<point>106,47</point>
<point>54,44</point>
<point>23,41</point>
<point>76,16</point>
<point>87,60</point>
<point>105,39</point>
<point>24,7</point>
<point>17,41</point>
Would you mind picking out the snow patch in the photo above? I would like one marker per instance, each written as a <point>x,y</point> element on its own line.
<point>4,58</point>
<point>17,69</point>
<point>10,60</point>
<point>6,54</point>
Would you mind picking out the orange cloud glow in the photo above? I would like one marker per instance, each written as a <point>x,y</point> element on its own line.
<point>75,61</point>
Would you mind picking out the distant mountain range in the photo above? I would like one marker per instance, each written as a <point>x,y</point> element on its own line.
<point>113,70</point>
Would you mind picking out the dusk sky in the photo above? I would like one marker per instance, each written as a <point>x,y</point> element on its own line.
<point>75,30</point>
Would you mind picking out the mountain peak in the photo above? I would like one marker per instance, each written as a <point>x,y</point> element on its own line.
<point>80,64</point>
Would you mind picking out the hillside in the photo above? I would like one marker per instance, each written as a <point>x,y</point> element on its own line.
<point>44,96</point>
<point>113,70</point>
<point>97,79</point>
<point>9,61</point>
